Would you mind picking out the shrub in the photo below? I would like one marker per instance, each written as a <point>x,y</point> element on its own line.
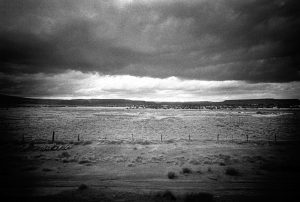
<point>186,171</point>
<point>171,175</point>
<point>165,196</point>
<point>84,161</point>
<point>87,142</point>
<point>209,170</point>
<point>195,162</point>
<point>64,155</point>
<point>232,171</point>
<point>30,168</point>
<point>203,197</point>
<point>47,169</point>
<point>82,187</point>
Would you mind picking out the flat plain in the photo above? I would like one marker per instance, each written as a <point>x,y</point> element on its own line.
<point>124,154</point>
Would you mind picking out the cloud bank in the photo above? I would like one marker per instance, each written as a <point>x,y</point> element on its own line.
<point>75,84</point>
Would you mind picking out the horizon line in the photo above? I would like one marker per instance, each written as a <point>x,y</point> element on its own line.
<point>61,98</point>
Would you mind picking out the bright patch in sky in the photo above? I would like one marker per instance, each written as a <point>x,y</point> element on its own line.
<point>75,84</point>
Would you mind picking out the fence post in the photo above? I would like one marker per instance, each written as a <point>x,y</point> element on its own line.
<point>247,137</point>
<point>218,137</point>
<point>275,138</point>
<point>161,137</point>
<point>78,137</point>
<point>189,137</point>
<point>53,135</point>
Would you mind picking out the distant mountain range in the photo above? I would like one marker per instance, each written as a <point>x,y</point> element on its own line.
<point>13,101</point>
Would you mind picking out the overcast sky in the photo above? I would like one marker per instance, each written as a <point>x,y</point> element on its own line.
<point>164,50</point>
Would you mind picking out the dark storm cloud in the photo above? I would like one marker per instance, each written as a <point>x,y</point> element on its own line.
<point>255,41</point>
<point>72,46</point>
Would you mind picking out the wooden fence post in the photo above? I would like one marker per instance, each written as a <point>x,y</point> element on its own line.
<point>53,135</point>
<point>78,137</point>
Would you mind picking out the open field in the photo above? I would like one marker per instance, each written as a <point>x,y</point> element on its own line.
<point>118,124</point>
<point>129,155</point>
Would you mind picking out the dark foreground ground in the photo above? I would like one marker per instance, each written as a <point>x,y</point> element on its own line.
<point>143,171</point>
<point>93,195</point>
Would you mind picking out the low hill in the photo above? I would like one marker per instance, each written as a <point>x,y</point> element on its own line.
<point>17,101</point>
<point>12,101</point>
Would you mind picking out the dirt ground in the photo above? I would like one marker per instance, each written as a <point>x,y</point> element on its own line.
<point>157,171</point>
